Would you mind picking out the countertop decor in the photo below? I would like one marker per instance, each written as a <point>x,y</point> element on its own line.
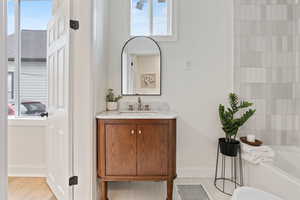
<point>112,100</point>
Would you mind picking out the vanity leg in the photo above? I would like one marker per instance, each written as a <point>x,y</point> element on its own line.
<point>170,184</point>
<point>103,188</point>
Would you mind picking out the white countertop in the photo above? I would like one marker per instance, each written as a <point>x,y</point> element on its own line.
<point>137,115</point>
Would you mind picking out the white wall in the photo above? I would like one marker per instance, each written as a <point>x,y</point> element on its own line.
<point>26,148</point>
<point>205,32</point>
<point>100,53</point>
<point>89,78</point>
<point>99,72</point>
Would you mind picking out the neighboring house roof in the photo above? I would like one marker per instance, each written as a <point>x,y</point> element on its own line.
<point>33,45</point>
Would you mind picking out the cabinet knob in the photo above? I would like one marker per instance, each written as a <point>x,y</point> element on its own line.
<point>140,132</point>
<point>132,132</point>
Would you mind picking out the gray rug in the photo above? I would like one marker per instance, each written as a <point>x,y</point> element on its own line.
<point>192,192</point>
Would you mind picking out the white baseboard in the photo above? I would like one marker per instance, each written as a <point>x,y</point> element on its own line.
<point>26,171</point>
<point>196,172</point>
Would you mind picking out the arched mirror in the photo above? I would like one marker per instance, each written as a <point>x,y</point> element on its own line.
<point>141,67</point>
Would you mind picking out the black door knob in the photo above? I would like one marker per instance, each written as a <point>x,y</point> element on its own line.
<point>44,114</point>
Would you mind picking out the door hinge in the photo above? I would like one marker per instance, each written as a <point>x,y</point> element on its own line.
<point>74,24</point>
<point>73,180</point>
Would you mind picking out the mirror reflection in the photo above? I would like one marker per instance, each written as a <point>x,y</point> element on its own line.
<point>141,67</point>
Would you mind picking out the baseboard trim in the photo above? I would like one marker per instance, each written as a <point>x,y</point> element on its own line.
<point>196,172</point>
<point>26,171</point>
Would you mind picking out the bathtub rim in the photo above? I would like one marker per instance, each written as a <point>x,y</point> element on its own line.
<point>281,172</point>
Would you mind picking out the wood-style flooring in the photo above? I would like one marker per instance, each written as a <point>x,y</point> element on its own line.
<point>37,189</point>
<point>29,189</point>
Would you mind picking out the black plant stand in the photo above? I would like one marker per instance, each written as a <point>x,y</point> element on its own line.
<point>227,181</point>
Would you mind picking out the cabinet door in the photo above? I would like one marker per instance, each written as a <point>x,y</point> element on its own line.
<point>152,150</point>
<point>120,150</point>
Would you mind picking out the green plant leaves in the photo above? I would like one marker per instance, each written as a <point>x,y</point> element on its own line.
<point>245,117</point>
<point>110,96</point>
<point>245,104</point>
<point>231,124</point>
<point>233,101</point>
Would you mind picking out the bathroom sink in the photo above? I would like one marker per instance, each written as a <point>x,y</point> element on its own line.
<point>127,114</point>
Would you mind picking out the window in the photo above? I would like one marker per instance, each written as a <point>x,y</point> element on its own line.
<point>152,18</point>
<point>27,56</point>
<point>10,86</point>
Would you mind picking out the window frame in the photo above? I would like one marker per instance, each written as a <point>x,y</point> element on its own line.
<point>172,22</point>
<point>17,59</point>
<point>12,84</point>
<point>18,63</point>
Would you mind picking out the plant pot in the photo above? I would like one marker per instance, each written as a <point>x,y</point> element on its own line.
<point>112,106</point>
<point>229,148</point>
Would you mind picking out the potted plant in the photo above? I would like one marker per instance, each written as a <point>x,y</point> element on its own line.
<point>112,100</point>
<point>231,124</point>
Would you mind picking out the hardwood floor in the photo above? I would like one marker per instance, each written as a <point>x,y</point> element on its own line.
<point>29,189</point>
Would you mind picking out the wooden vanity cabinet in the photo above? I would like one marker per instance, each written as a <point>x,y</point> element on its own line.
<point>136,150</point>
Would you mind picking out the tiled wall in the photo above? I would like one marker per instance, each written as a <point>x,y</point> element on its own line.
<point>267,67</point>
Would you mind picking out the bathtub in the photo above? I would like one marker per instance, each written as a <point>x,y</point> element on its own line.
<point>280,177</point>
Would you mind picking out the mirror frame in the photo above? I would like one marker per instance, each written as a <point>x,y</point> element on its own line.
<point>124,46</point>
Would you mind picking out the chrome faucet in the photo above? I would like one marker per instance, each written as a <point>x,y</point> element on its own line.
<point>140,106</point>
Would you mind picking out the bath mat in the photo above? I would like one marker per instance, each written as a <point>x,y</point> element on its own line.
<point>192,192</point>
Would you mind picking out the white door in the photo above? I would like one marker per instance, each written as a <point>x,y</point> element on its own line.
<point>59,137</point>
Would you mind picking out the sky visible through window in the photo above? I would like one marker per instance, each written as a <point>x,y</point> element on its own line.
<point>141,22</point>
<point>34,15</point>
<point>160,17</point>
<point>29,75</point>
<point>140,19</point>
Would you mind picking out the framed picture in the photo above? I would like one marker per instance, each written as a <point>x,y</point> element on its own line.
<point>148,81</point>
